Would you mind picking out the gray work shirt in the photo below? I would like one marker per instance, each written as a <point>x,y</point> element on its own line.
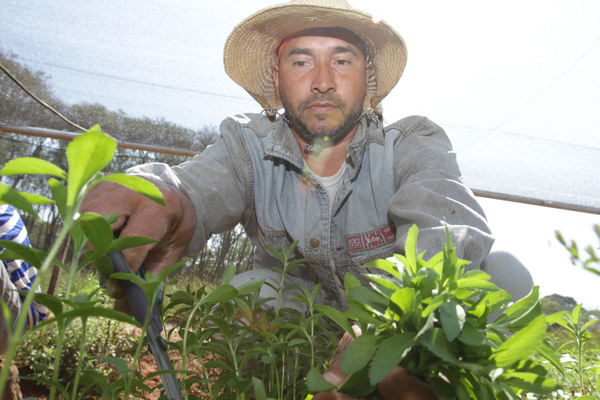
<point>397,176</point>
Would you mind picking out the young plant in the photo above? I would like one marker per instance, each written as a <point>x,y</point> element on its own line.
<point>252,349</point>
<point>579,335</point>
<point>592,263</point>
<point>432,318</point>
<point>87,155</point>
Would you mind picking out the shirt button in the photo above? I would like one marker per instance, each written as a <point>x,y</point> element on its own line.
<point>314,242</point>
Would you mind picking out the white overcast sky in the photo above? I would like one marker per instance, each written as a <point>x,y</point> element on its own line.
<point>515,84</point>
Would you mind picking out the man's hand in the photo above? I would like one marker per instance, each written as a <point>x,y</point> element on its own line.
<point>173,225</point>
<point>398,385</point>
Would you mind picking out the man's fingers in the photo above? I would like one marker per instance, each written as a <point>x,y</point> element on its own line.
<point>122,305</point>
<point>113,289</point>
<point>334,374</point>
<point>400,385</point>
<point>332,396</point>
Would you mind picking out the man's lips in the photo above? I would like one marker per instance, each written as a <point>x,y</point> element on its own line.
<point>320,107</point>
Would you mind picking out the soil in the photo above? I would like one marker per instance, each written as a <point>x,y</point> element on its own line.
<point>147,365</point>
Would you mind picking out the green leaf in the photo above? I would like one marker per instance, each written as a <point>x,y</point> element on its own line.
<point>53,303</point>
<point>260,392</point>
<point>530,382</point>
<point>436,342</point>
<point>31,256</point>
<point>522,344</point>
<point>576,313</point>
<point>410,250</point>
<point>369,297</point>
<point>550,355</point>
<point>405,299</point>
<point>338,317</point>
<point>385,265</point>
<point>476,284</point>
<point>452,317</point>
<point>97,230</point>
<point>164,274</point>
<point>350,281</point>
<point>33,166</point>
<point>316,383</point>
<point>128,276</point>
<point>21,200</point>
<point>119,364</point>
<point>87,154</point>
<point>228,274</point>
<point>250,286</point>
<point>92,311</point>
<point>435,303</point>
<point>59,194</point>
<point>389,354</point>
<point>471,335</point>
<point>140,185</point>
<point>221,294</point>
<point>359,353</point>
<point>103,265</point>
<point>524,310</point>
<point>357,384</point>
<point>358,311</point>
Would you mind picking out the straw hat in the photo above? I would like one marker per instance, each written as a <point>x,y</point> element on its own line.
<point>250,50</point>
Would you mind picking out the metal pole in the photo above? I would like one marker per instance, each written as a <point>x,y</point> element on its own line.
<point>49,133</point>
<point>41,132</point>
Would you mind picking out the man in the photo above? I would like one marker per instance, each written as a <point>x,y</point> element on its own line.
<point>327,173</point>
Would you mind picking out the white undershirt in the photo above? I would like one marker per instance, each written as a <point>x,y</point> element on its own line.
<point>332,183</point>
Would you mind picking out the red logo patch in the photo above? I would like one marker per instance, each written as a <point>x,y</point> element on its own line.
<point>370,240</point>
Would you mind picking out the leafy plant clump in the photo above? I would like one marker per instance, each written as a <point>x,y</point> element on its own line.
<point>240,347</point>
<point>432,318</point>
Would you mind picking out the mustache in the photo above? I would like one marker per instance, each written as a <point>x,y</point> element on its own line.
<point>321,97</point>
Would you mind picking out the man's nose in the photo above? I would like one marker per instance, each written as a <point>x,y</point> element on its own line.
<point>324,79</point>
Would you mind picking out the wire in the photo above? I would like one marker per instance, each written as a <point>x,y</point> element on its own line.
<point>536,96</point>
<point>43,103</point>
<point>515,134</point>
<point>140,82</point>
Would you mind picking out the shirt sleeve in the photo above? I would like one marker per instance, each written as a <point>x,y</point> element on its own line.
<point>430,193</point>
<point>217,182</point>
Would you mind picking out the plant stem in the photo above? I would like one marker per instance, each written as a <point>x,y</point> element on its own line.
<point>23,316</point>
<point>139,349</point>
<point>81,352</point>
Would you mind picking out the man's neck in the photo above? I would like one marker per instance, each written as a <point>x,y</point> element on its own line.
<point>329,160</point>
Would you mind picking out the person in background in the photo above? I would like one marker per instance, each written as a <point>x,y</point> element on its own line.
<point>16,275</point>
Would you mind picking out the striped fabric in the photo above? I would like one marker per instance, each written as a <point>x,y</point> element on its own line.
<point>21,274</point>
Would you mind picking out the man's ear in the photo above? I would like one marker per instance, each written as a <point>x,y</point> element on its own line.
<point>275,75</point>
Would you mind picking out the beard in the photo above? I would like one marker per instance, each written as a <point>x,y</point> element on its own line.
<point>336,133</point>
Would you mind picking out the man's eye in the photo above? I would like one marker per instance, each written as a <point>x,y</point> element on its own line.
<point>342,62</point>
<point>300,63</point>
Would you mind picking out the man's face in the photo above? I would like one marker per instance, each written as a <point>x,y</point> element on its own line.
<point>322,83</point>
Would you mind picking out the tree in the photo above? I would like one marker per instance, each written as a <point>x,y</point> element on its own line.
<point>18,108</point>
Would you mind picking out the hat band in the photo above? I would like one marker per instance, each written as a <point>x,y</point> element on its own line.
<point>336,32</point>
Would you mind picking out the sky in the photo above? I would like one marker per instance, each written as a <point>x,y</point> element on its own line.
<point>515,84</point>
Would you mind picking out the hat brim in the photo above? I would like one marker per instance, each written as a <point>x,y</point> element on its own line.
<point>250,48</point>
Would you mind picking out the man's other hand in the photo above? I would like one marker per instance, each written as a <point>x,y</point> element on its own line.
<point>173,225</point>
<point>398,385</point>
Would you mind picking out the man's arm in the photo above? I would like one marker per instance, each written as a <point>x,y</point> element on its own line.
<point>205,195</point>
<point>430,193</point>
